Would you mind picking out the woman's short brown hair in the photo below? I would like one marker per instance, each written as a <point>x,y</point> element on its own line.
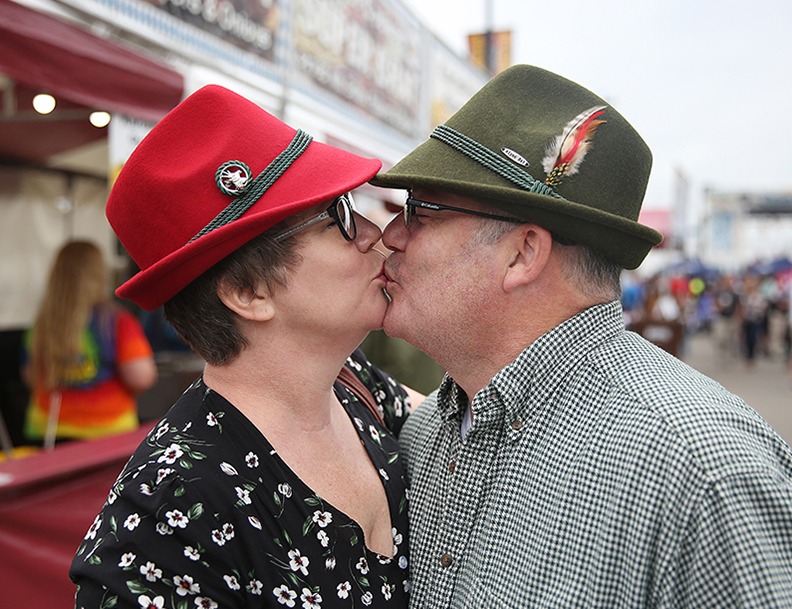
<point>201,318</point>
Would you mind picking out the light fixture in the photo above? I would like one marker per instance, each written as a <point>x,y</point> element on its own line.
<point>43,103</point>
<point>99,119</point>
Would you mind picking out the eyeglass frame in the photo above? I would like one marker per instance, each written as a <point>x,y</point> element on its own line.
<point>330,213</point>
<point>410,203</point>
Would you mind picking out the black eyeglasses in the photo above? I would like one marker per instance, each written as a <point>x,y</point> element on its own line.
<point>410,203</point>
<point>342,211</point>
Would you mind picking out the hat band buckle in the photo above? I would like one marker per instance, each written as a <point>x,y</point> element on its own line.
<point>259,186</point>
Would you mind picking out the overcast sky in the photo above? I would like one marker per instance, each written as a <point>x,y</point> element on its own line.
<point>707,83</point>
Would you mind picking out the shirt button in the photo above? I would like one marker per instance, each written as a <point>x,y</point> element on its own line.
<point>516,425</point>
<point>446,561</point>
<point>452,466</point>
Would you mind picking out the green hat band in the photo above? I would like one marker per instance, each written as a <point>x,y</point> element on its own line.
<point>250,192</point>
<point>483,155</point>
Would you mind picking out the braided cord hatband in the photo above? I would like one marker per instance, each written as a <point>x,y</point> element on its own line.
<point>259,186</point>
<point>471,148</point>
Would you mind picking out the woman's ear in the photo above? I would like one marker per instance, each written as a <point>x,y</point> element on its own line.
<point>248,304</point>
<point>530,252</point>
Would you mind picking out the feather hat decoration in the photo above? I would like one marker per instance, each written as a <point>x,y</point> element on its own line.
<point>566,151</point>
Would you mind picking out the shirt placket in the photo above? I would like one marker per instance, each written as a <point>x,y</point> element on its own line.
<point>467,472</point>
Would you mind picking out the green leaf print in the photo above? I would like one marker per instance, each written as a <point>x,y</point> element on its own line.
<point>135,587</point>
<point>196,511</point>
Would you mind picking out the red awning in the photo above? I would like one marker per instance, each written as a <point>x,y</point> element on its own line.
<point>41,51</point>
<point>47,503</point>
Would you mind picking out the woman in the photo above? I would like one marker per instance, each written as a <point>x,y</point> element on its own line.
<point>86,358</point>
<point>269,483</point>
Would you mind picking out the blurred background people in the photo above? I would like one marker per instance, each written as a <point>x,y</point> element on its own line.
<point>85,358</point>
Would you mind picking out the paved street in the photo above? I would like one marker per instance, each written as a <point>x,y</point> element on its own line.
<point>767,387</point>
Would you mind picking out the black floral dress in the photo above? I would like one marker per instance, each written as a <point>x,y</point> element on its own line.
<point>207,515</point>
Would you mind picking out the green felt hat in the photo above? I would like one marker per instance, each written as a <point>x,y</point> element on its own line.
<point>546,150</point>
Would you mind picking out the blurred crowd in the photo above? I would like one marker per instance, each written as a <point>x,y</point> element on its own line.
<point>747,314</point>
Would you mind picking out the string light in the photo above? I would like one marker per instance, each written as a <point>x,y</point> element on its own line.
<point>99,119</point>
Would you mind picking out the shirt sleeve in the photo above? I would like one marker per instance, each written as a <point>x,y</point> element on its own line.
<point>131,341</point>
<point>389,395</point>
<point>738,550</point>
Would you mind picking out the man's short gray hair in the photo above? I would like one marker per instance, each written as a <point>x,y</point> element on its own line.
<point>590,272</point>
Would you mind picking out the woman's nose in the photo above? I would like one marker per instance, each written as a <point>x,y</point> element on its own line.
<point>368,233</point>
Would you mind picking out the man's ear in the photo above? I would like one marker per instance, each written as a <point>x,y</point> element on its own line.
<point>530,252</point>
<point>248,304</point>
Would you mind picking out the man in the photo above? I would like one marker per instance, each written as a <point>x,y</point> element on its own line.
<point>564,462</point>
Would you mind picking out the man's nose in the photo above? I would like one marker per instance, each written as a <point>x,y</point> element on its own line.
<point>394,237</point>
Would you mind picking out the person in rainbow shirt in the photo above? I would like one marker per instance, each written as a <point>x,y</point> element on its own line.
<point>85,358</point>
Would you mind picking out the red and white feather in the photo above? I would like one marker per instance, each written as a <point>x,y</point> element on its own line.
<point>566,151</point>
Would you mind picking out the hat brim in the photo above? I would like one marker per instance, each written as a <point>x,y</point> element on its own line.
<point>436,166</point>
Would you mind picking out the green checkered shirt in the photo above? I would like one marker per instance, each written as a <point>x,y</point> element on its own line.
<point>599,472</point>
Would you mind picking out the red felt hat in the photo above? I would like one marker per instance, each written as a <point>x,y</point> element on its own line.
<point>217,171</point>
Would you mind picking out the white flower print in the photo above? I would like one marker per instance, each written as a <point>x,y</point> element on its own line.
<point>384,560</point>
<point>191,553</point>
<point>297,562</point>
<point>161,430</point>
<point>228,530</point>
<point>145,489</point>
<point>392,381</point>
<point>380,396</point>
<point>397,537</point>
<point>186,585</point>
<point>254,522</point>
<point>255,587</point>
<point>323,538</point>
<point>344,589</point>
<point>171,454</point>
<point>322,518</point>
<point>285,596</point>
<point>407,585</point>
<point>150,571</point>
<point>243,494</point>
<point>232,582</point>
<point>132,521</point>
<point>91,534</point>
<point>163,473</point>
<point>187,426</point>
<point>252,460</point>
<point>218,537</point>
<point>402,562</point>
<point>360,425</point>
<point>164,529</point>
<point>127,559</point>
<point>330,563</point>
<point>177,519</point>
<point>367,598</point>
<point>112,496</point>
<point>205,603</point>
<point>228,469</point>
<point>285,490</point>
<point>353,364</point>
<point>398,406</point>
<point>311,600</point>
<point>384,474</point>
<point>362,566</point>
<point>158,602</point>
<point>387,591</point>
<point>374,433</point>
<point>211,420</point>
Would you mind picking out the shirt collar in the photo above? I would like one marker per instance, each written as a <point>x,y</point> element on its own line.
<point>538,370</point>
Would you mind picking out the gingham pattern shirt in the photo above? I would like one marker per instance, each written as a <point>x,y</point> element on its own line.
<point>599,472</point>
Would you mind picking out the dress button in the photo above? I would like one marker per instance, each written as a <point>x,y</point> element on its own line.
<point>516,425</point>
<point>446,561</point>
<point>452,466</point>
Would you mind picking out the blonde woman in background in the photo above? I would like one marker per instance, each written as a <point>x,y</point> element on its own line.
<point>86,358</point>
